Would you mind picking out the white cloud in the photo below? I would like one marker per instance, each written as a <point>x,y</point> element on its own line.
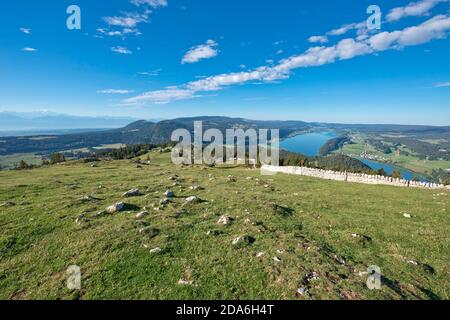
<point>203,51</point>
<point>435,28</point>
<point>121,50</point>
<point>151,3</point>
<point>120,33</point>
<point>152,73</point>
<point>413,9</point>
<point>115,91</point>
<point>128,20</point>
<point>161,96</point>
<point>361,28</point>
<point>318,39</point>
<point>28,49</point>
<point>442,85</point>
<point>25,30</point>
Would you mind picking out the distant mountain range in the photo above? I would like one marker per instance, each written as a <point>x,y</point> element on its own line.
<point>50,122</point>
<point>160,132</point>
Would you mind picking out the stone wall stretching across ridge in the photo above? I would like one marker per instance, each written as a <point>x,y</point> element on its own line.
<point>352,177</point>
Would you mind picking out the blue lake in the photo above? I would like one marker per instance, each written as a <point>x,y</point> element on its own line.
<point>406,174</point>
<point>309,144</point>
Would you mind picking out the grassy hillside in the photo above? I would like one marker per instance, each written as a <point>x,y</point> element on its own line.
<point>323,234</point>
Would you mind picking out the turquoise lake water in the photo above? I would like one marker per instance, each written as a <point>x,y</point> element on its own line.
<point>308,144</point>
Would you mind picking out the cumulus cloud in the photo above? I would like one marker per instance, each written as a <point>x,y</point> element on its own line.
<point>434,28</point>
<point>115,91</point>
<point>200,52</point>
<point>413,9</point>
<point>28,49</point>
<point>25,30</point>
<point>318,39</point>
<point>121,50</point>
<point>128,22</point>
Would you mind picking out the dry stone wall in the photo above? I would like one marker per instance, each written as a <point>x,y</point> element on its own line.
<point>352,177</point>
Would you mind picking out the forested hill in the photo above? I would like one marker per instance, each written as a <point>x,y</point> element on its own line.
<point>138,132</point>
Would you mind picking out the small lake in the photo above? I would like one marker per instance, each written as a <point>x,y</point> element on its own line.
<point>406,174</point>
<point>308,144</point>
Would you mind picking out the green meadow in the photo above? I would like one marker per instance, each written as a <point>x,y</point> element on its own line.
<point>299,237</point>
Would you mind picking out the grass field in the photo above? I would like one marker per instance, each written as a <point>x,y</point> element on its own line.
<point>10,161</point>
<point>323,234</point>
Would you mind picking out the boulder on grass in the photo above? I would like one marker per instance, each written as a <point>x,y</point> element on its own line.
<point>132,193</point>
<point>117,207</point>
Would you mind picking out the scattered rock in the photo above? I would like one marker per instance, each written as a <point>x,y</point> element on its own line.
<point>302,291</point>
<point>141,214</point>
<point>174,178</point>
<point>412,262</point>
<point>156,250</point>
<point>81,218</point>
<point>132,193</point>
<point>311,277</point>
<point>213,233</point>
<point>185,282</point>
<point>193,199</point>
<point>169,194</point>
<point>195,188</point>
<point>231,178</point>
<point>340,260</point>
<point>117,207</point>
<point>407,215</point>
<point>225,220</point>
<point>276,259</point>
<point>247,240</point>
<point>259,254</point>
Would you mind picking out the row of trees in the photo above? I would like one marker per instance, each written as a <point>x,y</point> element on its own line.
<point>54,159</point>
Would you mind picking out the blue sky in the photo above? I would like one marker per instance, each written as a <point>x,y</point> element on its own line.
<point>253,59</point>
